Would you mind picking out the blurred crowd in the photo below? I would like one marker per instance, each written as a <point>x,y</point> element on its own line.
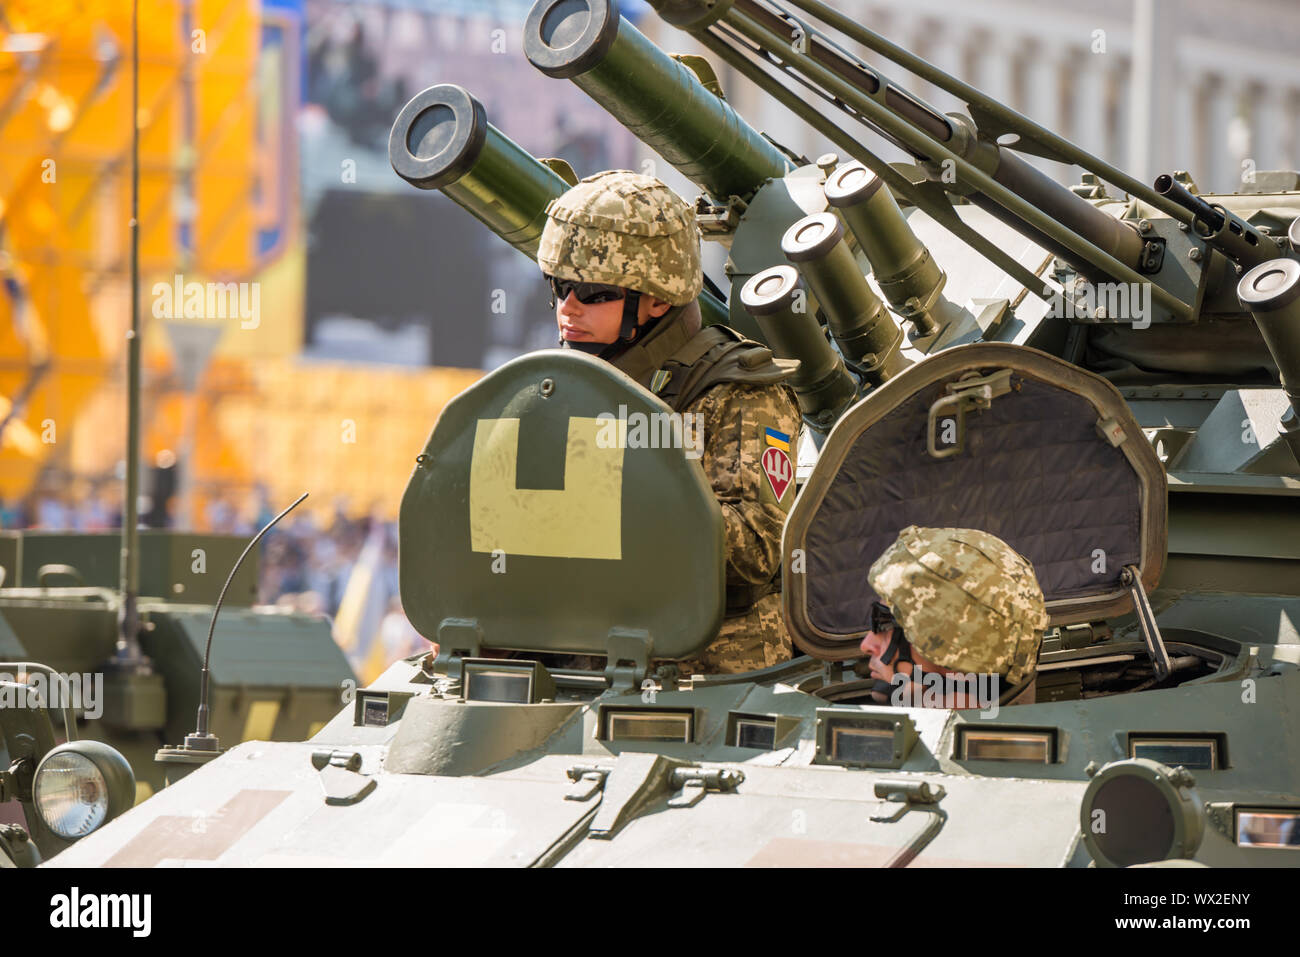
<point>347,572</point>
<point>344,570</point>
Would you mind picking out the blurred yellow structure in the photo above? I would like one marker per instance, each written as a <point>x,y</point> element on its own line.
<point>218,204</point>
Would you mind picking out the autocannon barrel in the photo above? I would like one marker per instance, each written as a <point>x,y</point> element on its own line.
<point>1170,188</point>
<point>1271,293</point>
<point>442,140</point>
<point>859,321</point>
<point>1050,200</point>
<point>823,385</point>
<point>655,96</point>
<point>1224,230</point>
<point>908,275</point>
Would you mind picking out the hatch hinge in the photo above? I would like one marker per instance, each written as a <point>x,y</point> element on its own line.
<point>914,796</point>
<point>587,780</point>
<point>1132,580</point>
<point>340,775</point>
<point>692,783</point>
<point>458,639</point>
<point>627,662</point>
<point>1220,815</point>
<point>948,412</point>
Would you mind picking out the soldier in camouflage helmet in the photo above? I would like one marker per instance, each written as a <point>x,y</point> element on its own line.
<point>956,600</point>
<point>621,252</point>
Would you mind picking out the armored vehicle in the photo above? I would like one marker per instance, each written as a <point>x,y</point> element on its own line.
<point>274,674</point>
<point>1105,381</point>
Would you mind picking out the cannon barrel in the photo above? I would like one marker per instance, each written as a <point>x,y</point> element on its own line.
<point>1171,189</point>
<point>1223,230</point>
<point>1270,292</point>
<point>823,385</point>
<point>442,140</point>
<point>1120,239</point>
<point>657,97</point>
<point>859,321</point>
<point>1052,201</point>
<point>908,275</point>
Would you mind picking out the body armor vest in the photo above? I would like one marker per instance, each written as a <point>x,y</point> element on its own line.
<point>679,367</point>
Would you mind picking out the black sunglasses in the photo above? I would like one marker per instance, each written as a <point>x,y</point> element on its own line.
<point>588,293</point>
<point>882,619</point>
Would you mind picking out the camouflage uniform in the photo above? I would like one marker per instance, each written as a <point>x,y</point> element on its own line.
<point>965,599</point>
<point>630,230</point>
<point>736,418</point>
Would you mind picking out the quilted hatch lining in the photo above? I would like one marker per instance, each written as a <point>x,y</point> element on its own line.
<point>1034,472</point>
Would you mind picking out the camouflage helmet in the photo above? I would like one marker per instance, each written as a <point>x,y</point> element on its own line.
<point>624,229</point>
<point>966,600</point>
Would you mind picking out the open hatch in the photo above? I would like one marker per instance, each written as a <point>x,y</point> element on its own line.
<point>556,510</point>
<point>991,436</point>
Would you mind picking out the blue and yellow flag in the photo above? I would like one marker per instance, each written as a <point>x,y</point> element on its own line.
<point>778,440</point>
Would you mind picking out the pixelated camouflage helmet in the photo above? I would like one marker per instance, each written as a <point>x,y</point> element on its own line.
<point>625,229</point>
<point>966,600</point>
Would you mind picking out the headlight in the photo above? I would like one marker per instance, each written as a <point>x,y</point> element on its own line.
<point>80,785</point>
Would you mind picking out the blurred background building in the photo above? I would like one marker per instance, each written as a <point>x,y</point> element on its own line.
<point>264,129</point>
<point>1148,85</point>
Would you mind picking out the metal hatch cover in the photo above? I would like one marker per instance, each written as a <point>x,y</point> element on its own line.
<point>1055,465</point>
<point>531,518</point>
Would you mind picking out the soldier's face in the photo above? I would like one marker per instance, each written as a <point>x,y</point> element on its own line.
<point>876,644</point>
<point>599,322</point>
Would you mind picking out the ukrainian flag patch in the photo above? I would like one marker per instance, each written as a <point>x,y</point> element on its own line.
<point>778,440</point>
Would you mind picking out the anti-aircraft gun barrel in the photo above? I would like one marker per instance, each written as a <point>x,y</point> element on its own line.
<point>859,321</point>
<point>908,275</point>
<point>1115,238</point>
<point>1270,292</point>
<point>659,98</point>
<point>1219,227</point>
<point>822,385</point>
<point>442,140</point>
<point>746,31</point>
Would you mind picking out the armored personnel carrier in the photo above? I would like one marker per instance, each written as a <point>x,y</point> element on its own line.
<point>274,674</point>
<point>1107,381</point>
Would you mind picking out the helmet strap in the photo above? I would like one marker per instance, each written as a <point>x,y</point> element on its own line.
<point>899,645</point>
<point>631,309</point>
<point>629,331</point>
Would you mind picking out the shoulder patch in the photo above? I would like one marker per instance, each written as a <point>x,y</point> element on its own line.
<point>777,468</point>
<point>778,440</point>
